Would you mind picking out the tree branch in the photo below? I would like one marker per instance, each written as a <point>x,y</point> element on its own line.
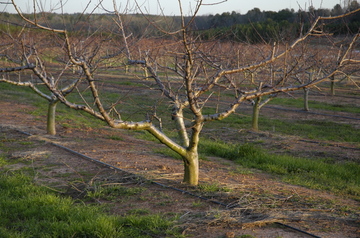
<point>28,66</point>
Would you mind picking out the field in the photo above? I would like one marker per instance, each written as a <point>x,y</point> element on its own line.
<point>236,198</point>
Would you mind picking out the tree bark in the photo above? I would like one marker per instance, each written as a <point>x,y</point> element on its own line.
<point>255,116</point>
<point>50,126</point>
<point>180,124</point>
<point>306,99</point>
<point>332,85</point>
<point>191,168</point>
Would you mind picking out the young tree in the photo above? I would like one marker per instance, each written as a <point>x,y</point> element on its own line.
<point>19,51</point>
<point>53,101</point>
<point>257,105</point>
<point>201,80</point>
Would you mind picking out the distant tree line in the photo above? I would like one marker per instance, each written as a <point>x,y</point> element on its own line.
<point>255,26</point>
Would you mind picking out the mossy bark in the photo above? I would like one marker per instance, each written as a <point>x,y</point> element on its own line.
<point>306,99</point>
<point>51,122</point>
<point>332,85</point>
<point>191,168</point>
<point>180,124</point>
<point>256,112</point>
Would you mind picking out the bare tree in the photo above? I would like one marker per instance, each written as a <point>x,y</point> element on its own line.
<point>257,104</point>
<point>198,78</point>
<point>53,101</point>
<point>19,50</point>
<point>201,72</point>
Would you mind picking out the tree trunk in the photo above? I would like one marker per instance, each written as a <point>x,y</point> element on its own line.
<point>146,74</point>
<point>255,116</point>
<point>332,85</point>
<point>306,99</point>
<point>50,127</point>
<point>191,157</point>
<point>252,77</point>
<point>180,124</point>
<point>191,168</point>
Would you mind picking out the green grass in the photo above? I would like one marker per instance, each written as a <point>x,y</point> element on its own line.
<point>167,152</point>
<point>299,103</point>
<point>313,129</point>
<point>139,211</point>
<point>213,187</point>
<point>113,192</point>
<point>3,161</point>
<point>241,170</point>
<point>310,129</point>
<point>64,116</point>
<point>76,119</point>
<point>27,210</point>
<point>115,137</point>
<point>342,178</point>
<point>18,93</point>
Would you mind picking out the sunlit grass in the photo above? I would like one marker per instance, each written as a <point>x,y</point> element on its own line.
<point>27,210</point>
<point>2,161</point>
<point>342,177</point>
<point>113,192</point>
<point>313,129</point>
<point>212,187</point>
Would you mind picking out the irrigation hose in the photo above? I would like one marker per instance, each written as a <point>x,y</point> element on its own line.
<point>159,184</point>
<point>293,228</point>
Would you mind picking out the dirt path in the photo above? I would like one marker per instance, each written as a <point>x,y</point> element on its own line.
<point>255,203</point>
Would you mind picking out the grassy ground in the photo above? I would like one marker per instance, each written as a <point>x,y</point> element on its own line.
<point>21,200</point>
<point>342,177</point>
<point>339,177</point>
<point>27,210</point>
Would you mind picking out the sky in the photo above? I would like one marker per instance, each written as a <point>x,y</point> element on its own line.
<point>171,7</point>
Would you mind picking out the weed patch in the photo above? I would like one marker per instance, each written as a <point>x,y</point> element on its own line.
<point>341,178</point>
<point>27,210</point>
<point>211,188</point>
<point>113,192</point>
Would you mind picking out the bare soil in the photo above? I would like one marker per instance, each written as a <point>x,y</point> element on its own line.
<point>258,204</point>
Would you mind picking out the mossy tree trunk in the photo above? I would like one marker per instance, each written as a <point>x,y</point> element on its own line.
<point>332,85</point>
<point>51,118</point>
<point>306,99</point>
<point>191,158</point>
<point>178,117</point>
<point>255,115</point>
<point>191,168</point>
<point>257,105</point>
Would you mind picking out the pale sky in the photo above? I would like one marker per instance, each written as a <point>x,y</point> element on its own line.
<point>171,7</point>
